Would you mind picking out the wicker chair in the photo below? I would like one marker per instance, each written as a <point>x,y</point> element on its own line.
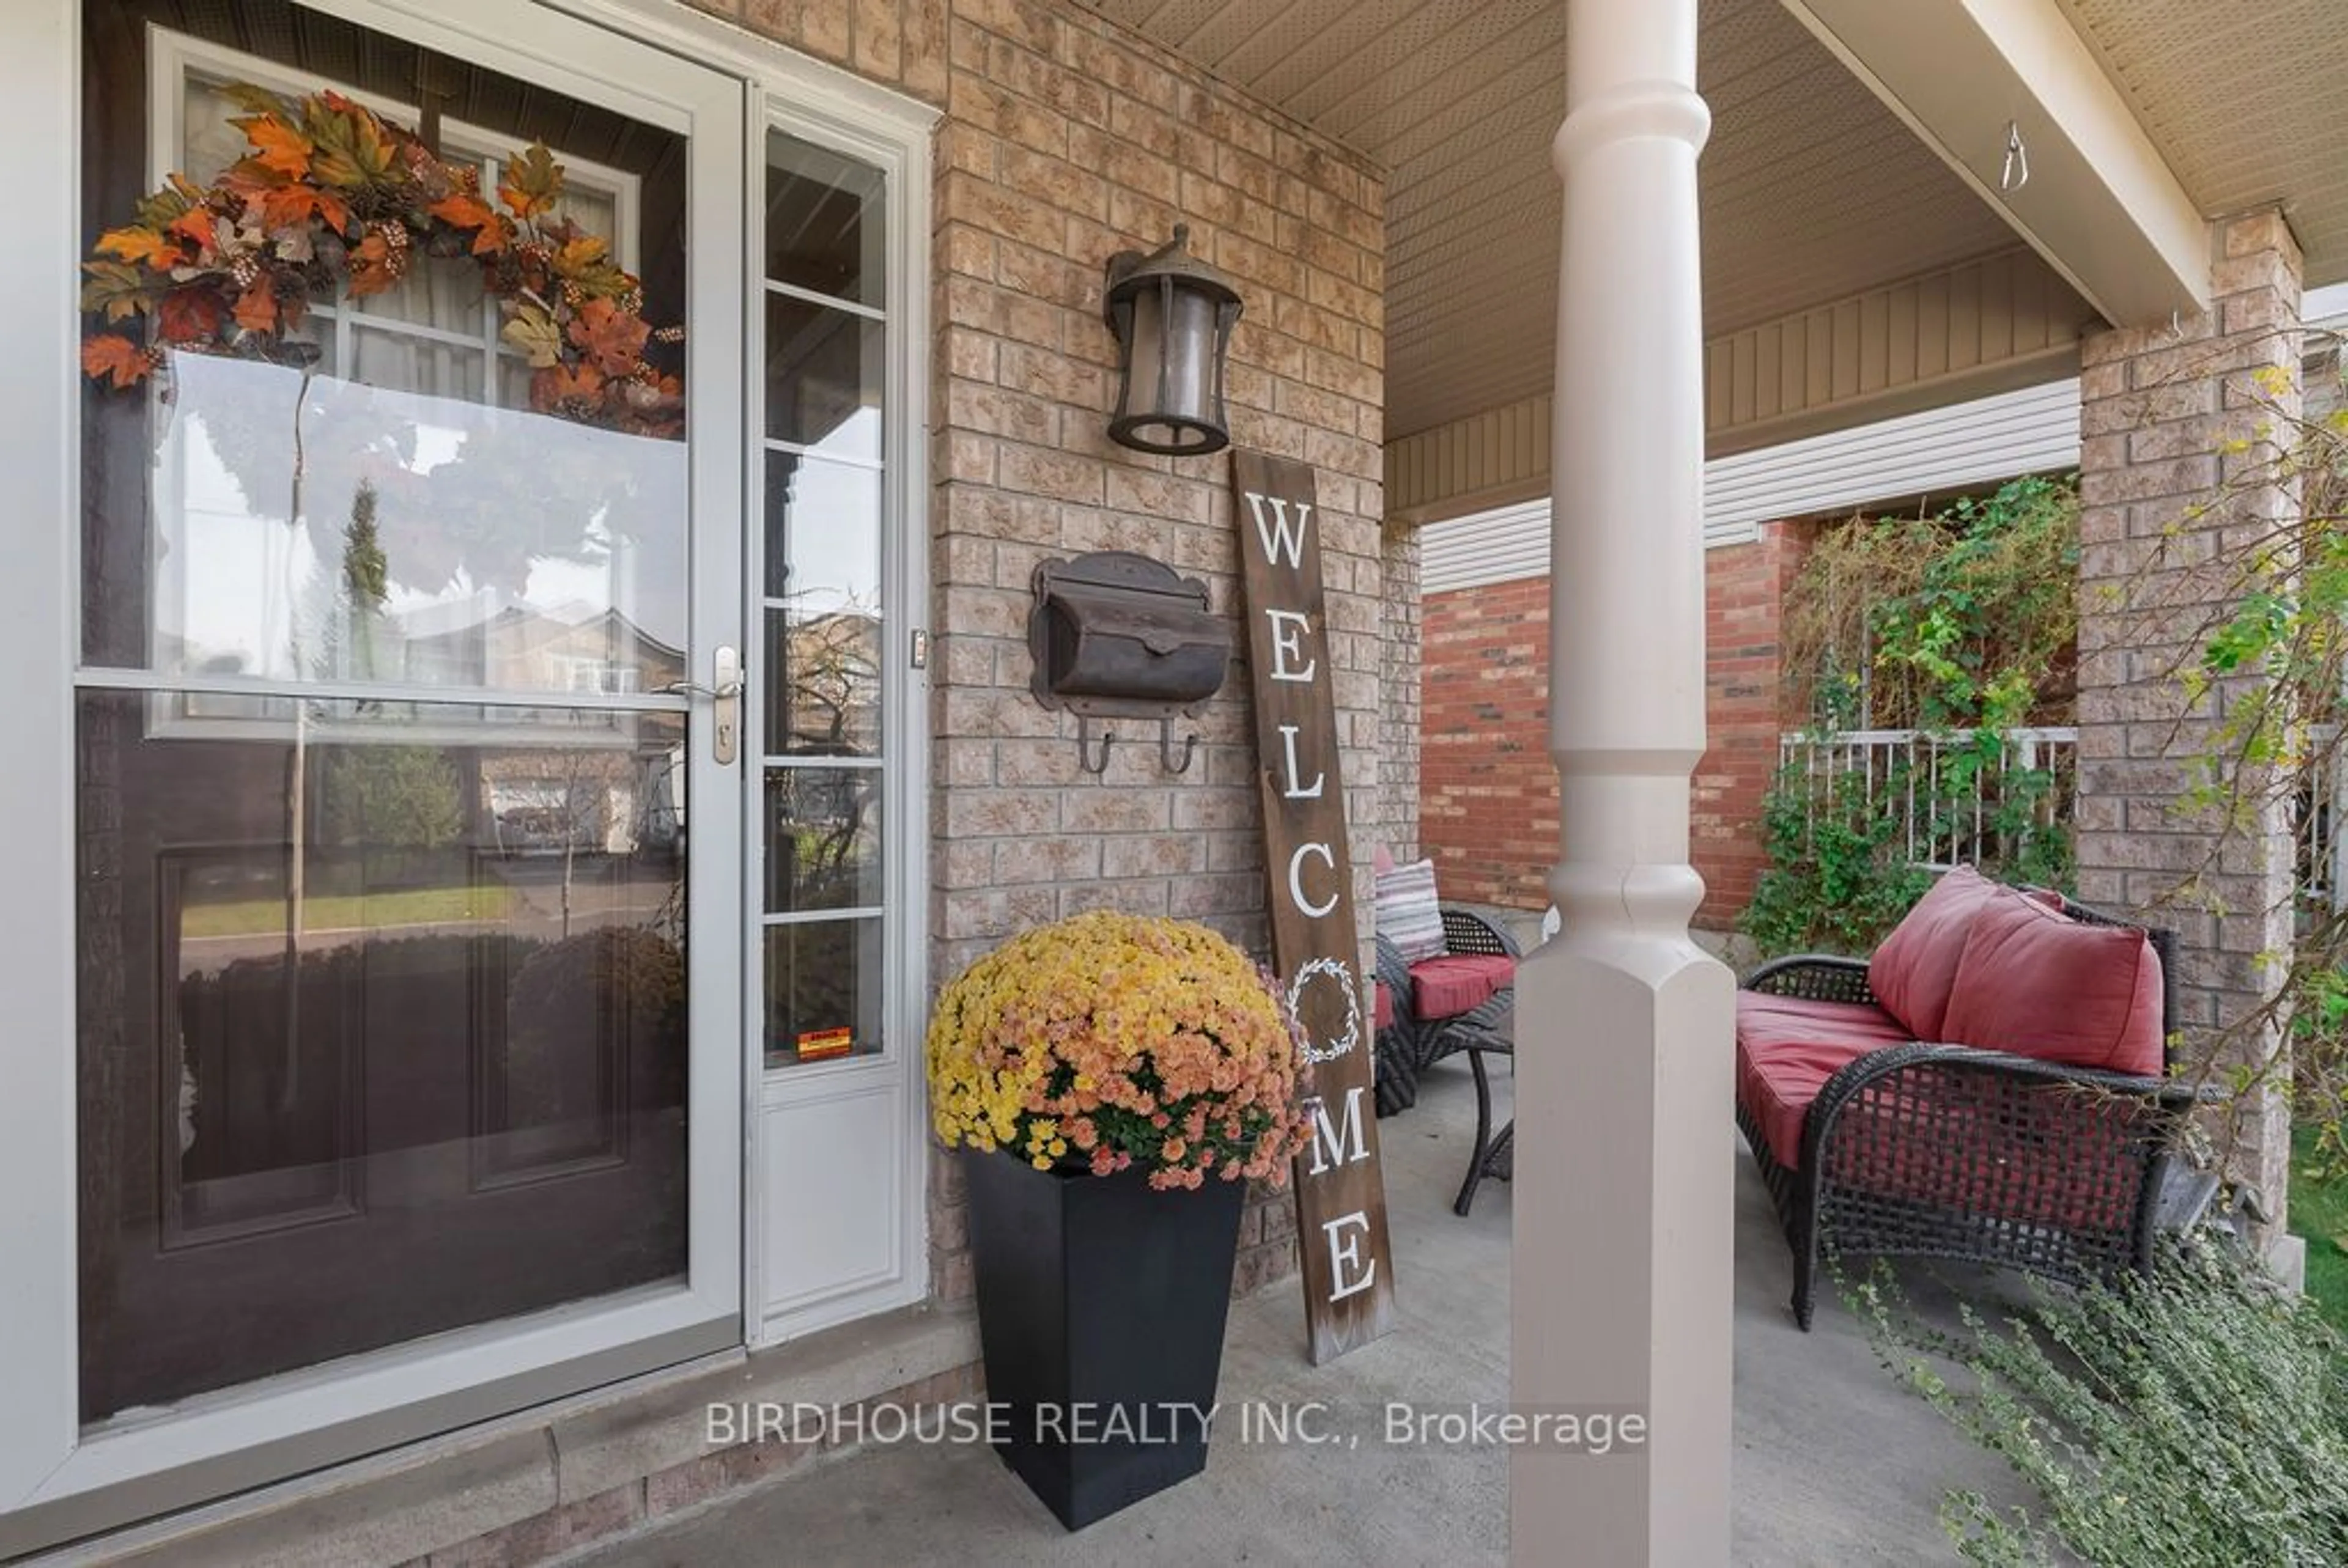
<point>1946,1151</point>
<point>1411,1044</point>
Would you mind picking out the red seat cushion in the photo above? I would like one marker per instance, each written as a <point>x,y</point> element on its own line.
<point>1914,969</point>
<point>1786,1049</point>
<point>1382,1012</point>
<point>2035,983</point>
<point>1451,985</point>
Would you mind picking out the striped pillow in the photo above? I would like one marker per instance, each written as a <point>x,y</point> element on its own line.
<point>1407,914</point>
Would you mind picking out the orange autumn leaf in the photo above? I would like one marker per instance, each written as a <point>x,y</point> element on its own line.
<point>256,308</point>
<point>138,243</point>
<point>577,258</point>
<point>466,211</point>
<point>112,356</point>
<point>276,145</point>
<point>611,337</point>
<point>564,383</point>
<point>191,314</point>
<point>292,206</point>
<point>373,267</point>
<point>195,226</point>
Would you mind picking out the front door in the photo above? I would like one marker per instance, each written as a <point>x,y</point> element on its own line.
<point>408,787</point>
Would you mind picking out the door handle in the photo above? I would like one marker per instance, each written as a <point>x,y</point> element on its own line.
<point>725,695</point>
<point>725,722</point>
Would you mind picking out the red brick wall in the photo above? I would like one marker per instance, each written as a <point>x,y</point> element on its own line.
<point>1487,793</point>
<point>1743,585</point>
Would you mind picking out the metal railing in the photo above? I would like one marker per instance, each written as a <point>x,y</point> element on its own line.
<point>1950,814</point>
<point>1952,810</point>
<point>2316,811</point>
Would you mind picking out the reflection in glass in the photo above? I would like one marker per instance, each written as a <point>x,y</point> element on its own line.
<point>825,228</point>
<point>399,990</point>
<point>823,991</point>
<point>823,534</point>
<point>823,683</point>
<point>823,838</point>
<point>420,538</point>
<point>825,374</point>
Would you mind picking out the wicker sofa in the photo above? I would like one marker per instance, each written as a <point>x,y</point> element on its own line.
<point>2039,1144</point>
<point>1437,1007</point>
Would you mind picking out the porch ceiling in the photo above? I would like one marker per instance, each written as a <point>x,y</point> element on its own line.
<point>2249,105</point>
<point>1812,189</point>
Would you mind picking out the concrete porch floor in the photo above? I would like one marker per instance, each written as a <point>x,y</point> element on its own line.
<point>1834,1461</point>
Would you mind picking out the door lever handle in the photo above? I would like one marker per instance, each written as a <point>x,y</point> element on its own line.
<point>724,691</point>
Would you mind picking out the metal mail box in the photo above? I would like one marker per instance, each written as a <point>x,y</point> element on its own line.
<point>1115,634</point>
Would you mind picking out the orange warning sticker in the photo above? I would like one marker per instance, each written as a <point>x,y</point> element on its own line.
<point>818,1043</point>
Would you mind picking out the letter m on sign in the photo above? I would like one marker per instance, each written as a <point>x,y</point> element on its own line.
<point>1341,1199</point>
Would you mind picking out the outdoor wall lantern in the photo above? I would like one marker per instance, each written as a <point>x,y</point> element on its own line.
<point>1172,314</point>
<point>1118,635</point>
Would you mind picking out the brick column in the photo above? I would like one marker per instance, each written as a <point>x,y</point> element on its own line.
<point>2161,489</point>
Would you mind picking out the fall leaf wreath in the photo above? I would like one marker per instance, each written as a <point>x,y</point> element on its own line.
<point>334,197</point>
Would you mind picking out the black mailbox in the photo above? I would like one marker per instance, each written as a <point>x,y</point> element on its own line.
<point>1118,635</point>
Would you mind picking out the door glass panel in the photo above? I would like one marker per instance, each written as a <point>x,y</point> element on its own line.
<point>383,1020</point>
<point>505,533</point>
<point>823,534</point>
<point>823,610</point>
<point>824,378</point>
<point>825,228</point>
<point>823,991</point>
<point>823,839</point>
<point>821,654</point>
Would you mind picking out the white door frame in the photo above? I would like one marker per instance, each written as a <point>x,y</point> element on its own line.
<point>899,147</point>
<point>55,1479</point>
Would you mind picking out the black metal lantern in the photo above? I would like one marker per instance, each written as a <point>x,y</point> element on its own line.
<point>1172,314</point>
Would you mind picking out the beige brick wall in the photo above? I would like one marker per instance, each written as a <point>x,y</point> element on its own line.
<point>2160,408</point>
<point>1065,141</point>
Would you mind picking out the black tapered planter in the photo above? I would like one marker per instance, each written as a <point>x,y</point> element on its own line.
<point>1100,1309</point>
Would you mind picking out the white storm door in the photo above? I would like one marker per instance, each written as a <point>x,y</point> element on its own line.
<point>396,1034</point>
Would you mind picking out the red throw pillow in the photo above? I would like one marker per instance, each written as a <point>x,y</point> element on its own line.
<point>1911,972</point>
<point>2036,983</point>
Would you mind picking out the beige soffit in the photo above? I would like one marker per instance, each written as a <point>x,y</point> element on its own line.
<point>1812,189</point>
<point>2248,102</point>
<point>1957,332</point>
<point>2011,98</point>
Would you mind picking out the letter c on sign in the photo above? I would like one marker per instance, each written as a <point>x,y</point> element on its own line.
<point>1296,879</point>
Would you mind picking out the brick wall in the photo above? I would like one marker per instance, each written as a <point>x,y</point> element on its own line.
<point>1744,587</point>
<point>2162,411</point>
<point>1399,691</point>
<point>1488,791</point>
<point>1489,795</point>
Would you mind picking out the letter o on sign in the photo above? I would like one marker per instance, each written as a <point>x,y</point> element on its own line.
<point>1340,971</point>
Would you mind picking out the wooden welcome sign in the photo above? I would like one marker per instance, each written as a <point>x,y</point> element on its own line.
<point>1341,1197</point>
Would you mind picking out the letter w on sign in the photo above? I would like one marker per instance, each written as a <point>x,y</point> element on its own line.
<point>1341,1197</point>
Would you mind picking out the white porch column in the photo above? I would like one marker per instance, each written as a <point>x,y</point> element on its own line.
<point>1623,1183</point>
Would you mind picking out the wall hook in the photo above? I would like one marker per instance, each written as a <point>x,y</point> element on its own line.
<point>1166,748</point>
<point>1085,745</point>
<point>2015,172</point>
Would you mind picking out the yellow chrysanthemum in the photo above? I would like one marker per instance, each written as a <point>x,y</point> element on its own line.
<point>1115,1027</point>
